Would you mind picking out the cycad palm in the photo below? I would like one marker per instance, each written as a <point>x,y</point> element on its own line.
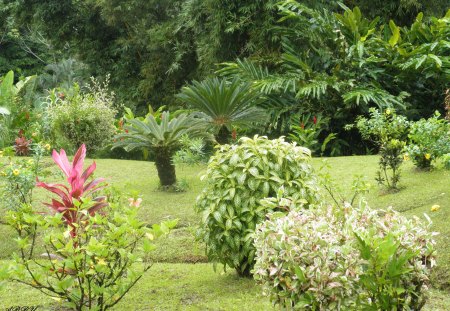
<point>162,137</point>
<point>223,104</point>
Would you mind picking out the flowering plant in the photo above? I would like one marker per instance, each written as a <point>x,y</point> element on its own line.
<point>429,140</point>
<point>91,259</point>
<point>18,179</point>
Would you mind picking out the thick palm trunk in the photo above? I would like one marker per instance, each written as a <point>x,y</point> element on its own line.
<point>223,136</point>
<point>165,167</point>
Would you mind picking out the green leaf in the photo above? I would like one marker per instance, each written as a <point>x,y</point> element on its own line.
<point>395,33</point>
<point>363,247</point>
<point>437,60</point>
<point>299,273</point>
<point>147,246</point>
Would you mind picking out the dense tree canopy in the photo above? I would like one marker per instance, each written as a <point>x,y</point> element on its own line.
<point>323,57</point>
<point>152,48</point>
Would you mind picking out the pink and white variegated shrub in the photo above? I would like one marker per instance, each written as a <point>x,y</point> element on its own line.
<point>80,190</point>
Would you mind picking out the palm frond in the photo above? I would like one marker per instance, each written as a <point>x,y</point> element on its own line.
<point>149,133</point>
<point>223,102</point>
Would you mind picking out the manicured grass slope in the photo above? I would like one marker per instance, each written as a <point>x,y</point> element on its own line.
<point>175,283</point>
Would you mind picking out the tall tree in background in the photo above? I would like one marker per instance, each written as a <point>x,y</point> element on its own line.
<point>22,48</point>
<point>152,48</point>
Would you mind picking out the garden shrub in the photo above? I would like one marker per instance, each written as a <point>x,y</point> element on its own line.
<point>192,151</point>
<point>389,131</point>
<point>238,177</point>
<point>82,118</point>
<point>343,258</point>
<point>447,104</point>
<point>429,140</point>
<point>18,178</point>
<point>95,251</point>
<point>309,130</point>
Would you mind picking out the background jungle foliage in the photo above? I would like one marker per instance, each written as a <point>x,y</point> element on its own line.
<point>321,57</point>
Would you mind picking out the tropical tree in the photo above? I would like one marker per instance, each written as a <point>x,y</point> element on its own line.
<point>341,64</point>
<point>224,104</point>
<point>160,134</point>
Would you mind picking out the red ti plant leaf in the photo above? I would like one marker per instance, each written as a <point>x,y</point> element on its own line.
<point>78,188</point>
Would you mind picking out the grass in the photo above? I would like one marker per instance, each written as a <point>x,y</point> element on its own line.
<point>182,280</point>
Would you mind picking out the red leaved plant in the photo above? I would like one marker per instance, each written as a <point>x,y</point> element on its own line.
<point>22,145</point>
<point>79,188</point>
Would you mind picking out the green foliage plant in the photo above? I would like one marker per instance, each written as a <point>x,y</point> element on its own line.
<point>95,251</point>
<point>224,104</point>
<point>389,131</point>
<point>160,134</point>
<point>192,151</point>
<point>80,118</point>
<point>342,63</point>
<point>18,179</point>
<point>429,140</point>
<point>343,257</point>
<point>446,160</point>
<point>15,106</point>
<point>307,133</point>
<point>237,178</point>
<point>447,104</point>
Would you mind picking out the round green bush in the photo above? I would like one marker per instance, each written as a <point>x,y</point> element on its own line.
<point>343,258</point>
<point>83,118</point>
<point>238,177</point>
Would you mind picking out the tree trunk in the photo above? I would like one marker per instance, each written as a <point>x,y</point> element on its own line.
<point>223,135</point>
<point>244,272</point>
<point>165,167</point>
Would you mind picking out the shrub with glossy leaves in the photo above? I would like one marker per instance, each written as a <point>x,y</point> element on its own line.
<point>339,258</point>
<point>238,177</point>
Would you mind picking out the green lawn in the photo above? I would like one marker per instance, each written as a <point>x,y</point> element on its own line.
<point>182,280</point>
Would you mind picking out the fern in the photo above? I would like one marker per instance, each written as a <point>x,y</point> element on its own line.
<point>381,98</point>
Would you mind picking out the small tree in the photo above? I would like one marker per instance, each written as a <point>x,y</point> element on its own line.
<point>389,131</point>
<point>161,135</point>
<point>224,104</point>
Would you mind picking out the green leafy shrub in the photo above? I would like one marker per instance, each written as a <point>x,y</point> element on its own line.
<point>447,104</point>
<point>429,140</point>
<point>389,131</point>
<point>446,160</point>
<point>237,177</point>
<point>192,151</point>
<point>16,100</point>
<point>78,118</point>
<point>343,258</point>
<point>95,251</point>
<point>383,126</point>
<point>391,158</point>
<point>18,179</point>
<point>308,131</point>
